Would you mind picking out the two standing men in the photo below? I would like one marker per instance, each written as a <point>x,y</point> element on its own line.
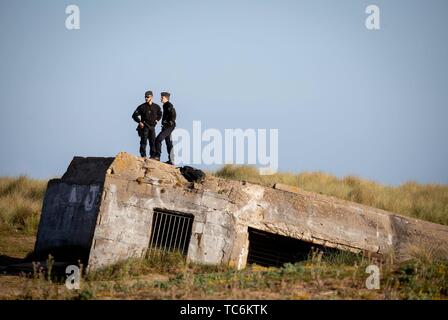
<point>147,115</point>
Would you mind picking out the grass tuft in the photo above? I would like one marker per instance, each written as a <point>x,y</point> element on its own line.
<point>21,203</point>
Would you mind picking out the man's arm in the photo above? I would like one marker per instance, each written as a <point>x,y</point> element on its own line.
<point>136,118</point>
<point>136,115</point>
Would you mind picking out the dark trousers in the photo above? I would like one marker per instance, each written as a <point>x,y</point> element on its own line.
<point>165,134</point>
<point>148,134</point>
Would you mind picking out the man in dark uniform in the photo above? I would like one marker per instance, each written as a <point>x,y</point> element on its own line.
<point>147,115</point>
<point>168,125</point>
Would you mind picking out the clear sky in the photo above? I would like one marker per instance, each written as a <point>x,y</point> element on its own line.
<point>346,100</point>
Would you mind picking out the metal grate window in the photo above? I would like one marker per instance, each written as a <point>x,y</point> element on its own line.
<point>170,232</point>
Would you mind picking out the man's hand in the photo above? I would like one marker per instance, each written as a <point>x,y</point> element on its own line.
<point>141,125</point>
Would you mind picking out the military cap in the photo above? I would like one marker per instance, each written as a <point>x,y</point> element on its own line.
<point>165,94</point>
<point>148,93</point>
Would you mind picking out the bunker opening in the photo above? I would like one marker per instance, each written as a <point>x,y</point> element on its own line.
<point>170,232</point>
<point>273,250</point>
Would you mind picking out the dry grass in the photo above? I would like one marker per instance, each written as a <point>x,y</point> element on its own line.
<point>21,203</point>
<point>422,201</point>
<point>319,277</point>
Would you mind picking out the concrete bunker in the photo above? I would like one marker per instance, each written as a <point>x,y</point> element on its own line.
<point>111,209</point>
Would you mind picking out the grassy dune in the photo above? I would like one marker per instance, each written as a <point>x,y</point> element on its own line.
<point>423,201</point>
<point>21,203</point>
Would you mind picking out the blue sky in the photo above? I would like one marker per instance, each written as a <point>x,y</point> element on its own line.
<point>346,100</point>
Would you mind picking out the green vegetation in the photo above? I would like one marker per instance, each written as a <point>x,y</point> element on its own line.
<point>422,201</point>
<point>319,277</point>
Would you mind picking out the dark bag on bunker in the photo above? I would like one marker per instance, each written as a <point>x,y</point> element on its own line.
<point>192,174</point>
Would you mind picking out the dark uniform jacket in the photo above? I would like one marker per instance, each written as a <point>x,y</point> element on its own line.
<point>169,115</point>
<point>149,114</point>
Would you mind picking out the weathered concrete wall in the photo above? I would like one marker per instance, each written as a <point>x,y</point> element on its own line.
<point>222,209</point>
<point>70,208</point>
